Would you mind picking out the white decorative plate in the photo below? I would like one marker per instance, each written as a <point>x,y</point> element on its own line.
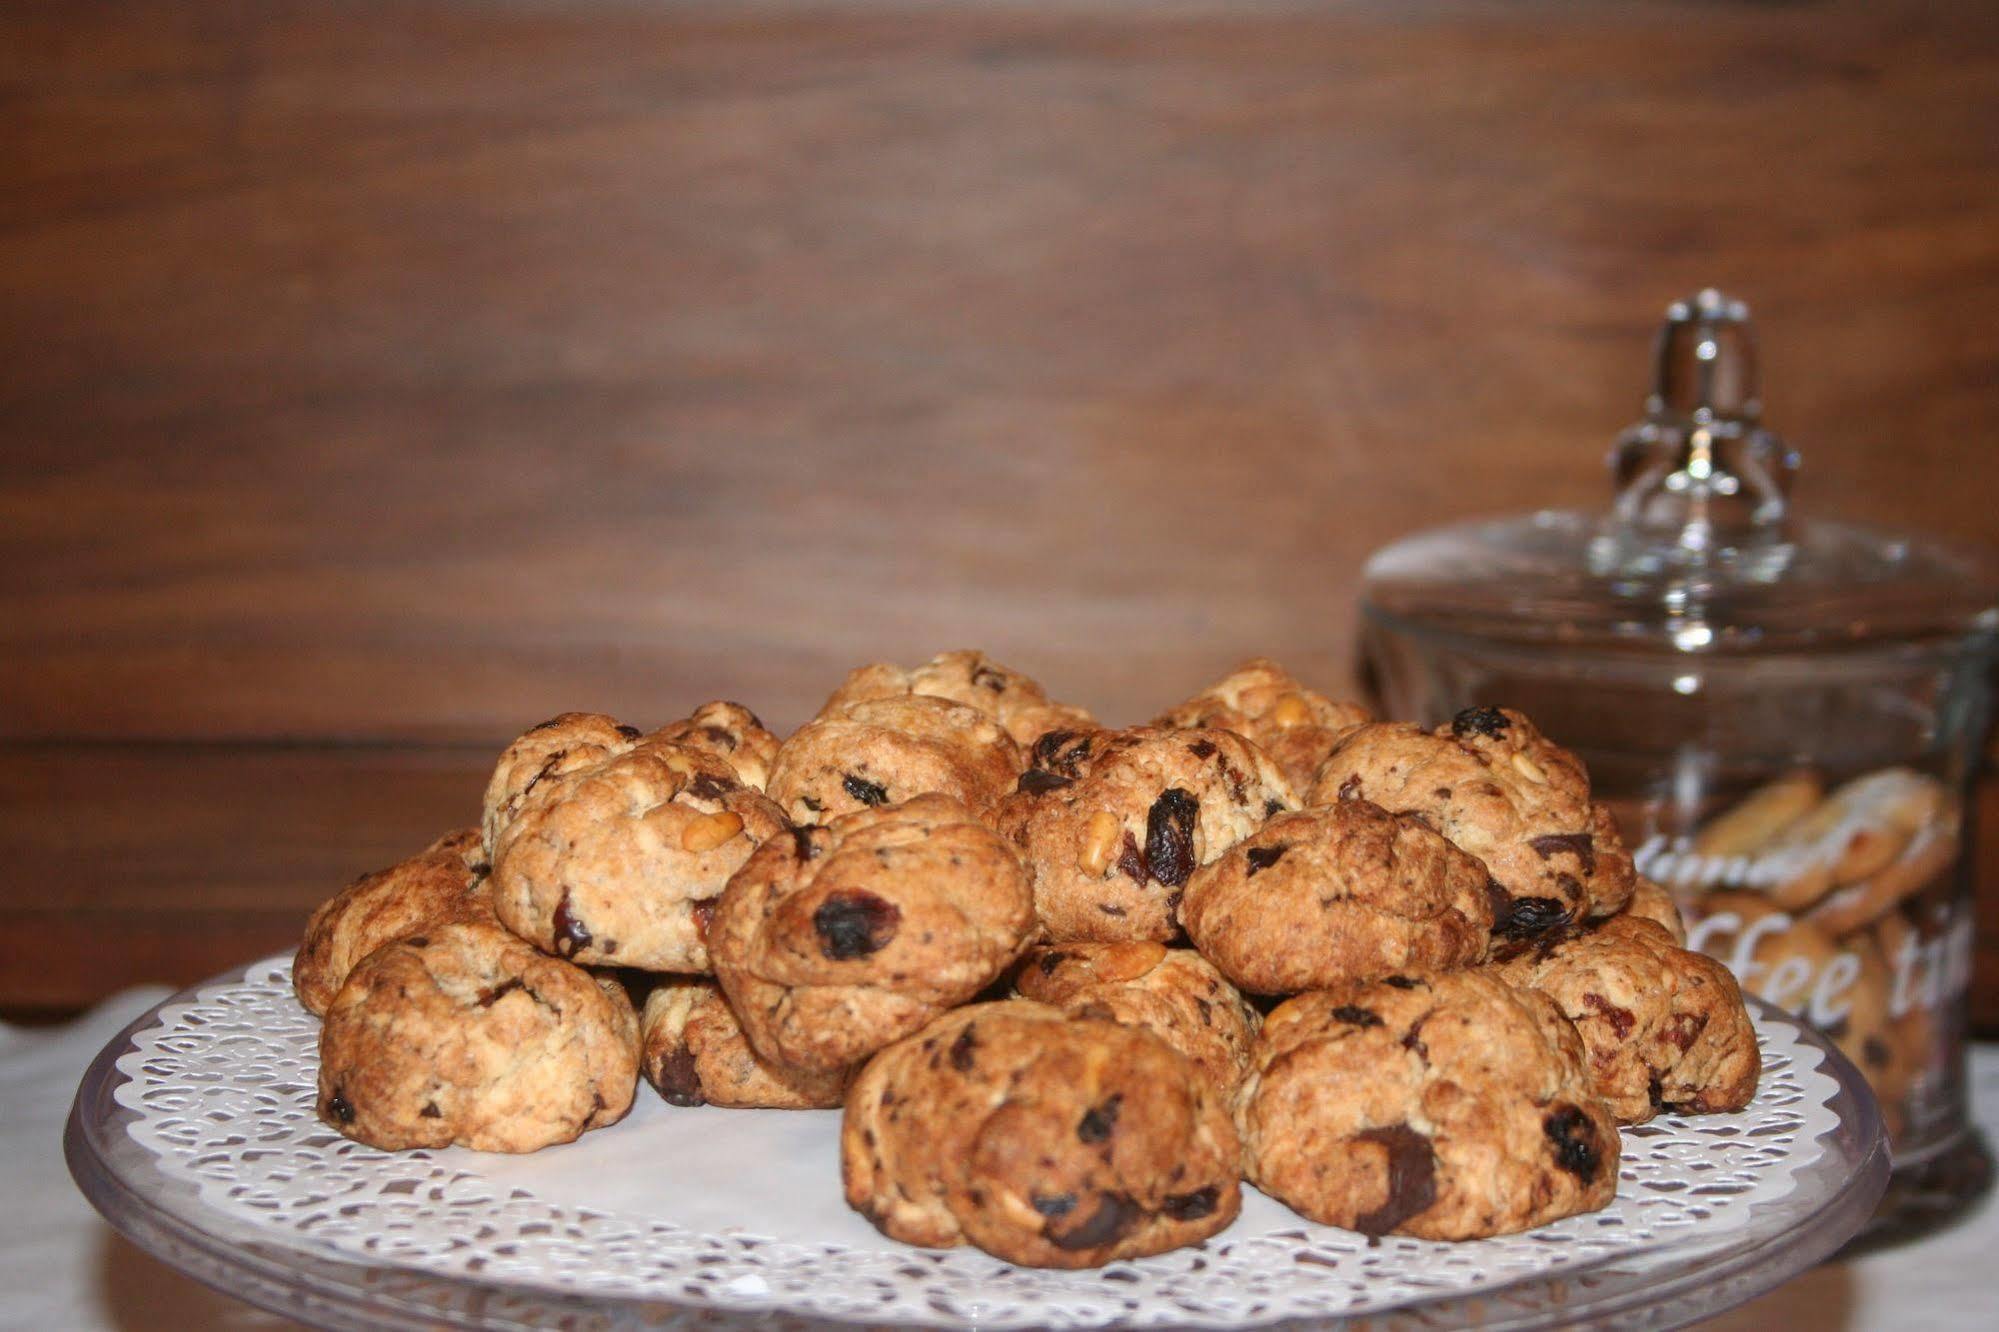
<point>195,1133</point>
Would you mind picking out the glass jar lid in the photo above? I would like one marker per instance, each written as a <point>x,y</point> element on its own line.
<point>1700,551</point>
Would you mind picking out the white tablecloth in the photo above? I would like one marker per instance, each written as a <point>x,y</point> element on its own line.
<point>63,1268</point>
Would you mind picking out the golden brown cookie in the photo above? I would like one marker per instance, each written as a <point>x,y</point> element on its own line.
<point>1045,1140</point>
<point>885,751</point>
<point>1754,823</point>
<point>1783,959</point>
<point>1338,893</point>
<point>1264,703</point>
<point>693,1052</point>
<point>1113,823</point>
<point>1494,785</point>
<point>838,940</point>
<point>444,882</point>
<point>619,863</point>
<point>557,746</point>
<point>732,733</point>
<point>1665,1028</point>
<point>1651,902</point>
<point>470,1036</point>
<point>1174,993</point>
<point>1450,1107</point>
<point>1860,830</point>
<point>970,677</point>
<point>1929,853</point>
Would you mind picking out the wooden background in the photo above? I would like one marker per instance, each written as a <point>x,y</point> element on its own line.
<point>378,378</point>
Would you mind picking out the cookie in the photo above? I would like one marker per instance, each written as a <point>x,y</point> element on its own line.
<point>732,733</point>
<point>970,677</point>
<point>444,882</point>
<point>1174,993</point>
<point>1651,902</point>
<point>1782,959</point>
<point>840,939</point>
<point>1499,789</point>
<point>693,1052</point>
<point>1264,703</point>
<point>1858,831</point>
<point>1929,853</point>
<point>1447,1107</point>
<point>471,1037</point>
<point>1665,1029</point>
<point>885,751</point>
<point>620,862</point>
<point>1043,1139</point>
<point>1114,823</point>
<point>555,747</point>
<point>1759,817</point>
<point>1338,893</point>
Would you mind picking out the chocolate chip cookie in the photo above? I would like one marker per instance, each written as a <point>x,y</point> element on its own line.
<point>557,746</point>
<point>1174,993</point>
<point>1665,1028</point>
<point>1494,785</point>
<point>1264,703</point>
<point>885,751</point>
<point>1337,893</point>
<point>620,862</point>
<point>1447,1107</point>
<point>1114,823</point>
<point>732,733</point>
<point>1043,1139</point>
<point>444,882</point>
<point>970,677</point>
<point>470,1036</point>
<point>693,1052</point>
<point>840,939</point>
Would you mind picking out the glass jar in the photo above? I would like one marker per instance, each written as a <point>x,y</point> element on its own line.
<point>1786,715</point>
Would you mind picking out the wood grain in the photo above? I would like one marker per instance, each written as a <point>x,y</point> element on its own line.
<point>396,374</point>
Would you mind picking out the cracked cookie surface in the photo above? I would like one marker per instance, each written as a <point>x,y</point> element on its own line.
<point>888,750</point>
<point>732,733</point>
<point>560,745</point>
<point>443,883</point>
<point>1113,823</point>
<point>1446,1107</point>
<point>693,1052</point>
<point>970,677</point>
<point>838,940</point>
<point>1174,993</point>
<point>1664,1028</point>
<point>1338,893</point>
<point>1043,1139</point>
<point>619,862</point>
<point>469,1036</point>
<point>1264,703</point>
<point>1499,789</point>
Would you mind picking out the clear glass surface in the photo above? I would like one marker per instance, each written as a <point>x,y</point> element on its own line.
<point>1660,1287</point>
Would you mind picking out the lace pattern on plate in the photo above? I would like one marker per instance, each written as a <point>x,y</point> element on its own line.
<point>223,1090</point>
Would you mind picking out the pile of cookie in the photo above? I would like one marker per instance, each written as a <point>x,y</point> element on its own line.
<point>1424,987</point>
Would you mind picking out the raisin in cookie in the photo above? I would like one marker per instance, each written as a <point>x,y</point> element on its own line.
<point>885,751</point>
<point>838,940</point>
<point>1113,823</point>
<point>1045,1140</point>
<point>1501,790</point>
<point>970,677</point>
<point>445,882</point>
<point>1174,993</point>
<point>1447,1107</point>
<point>1338,893</point>
<point>693,1052</point>
<point>1262,702</point>
<point>557,746</point>
<point>470,1036</point>
<point>1665,1028</point>
<point>732,733</point>
<point>620,862</point>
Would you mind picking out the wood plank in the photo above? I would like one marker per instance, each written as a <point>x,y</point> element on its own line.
<point>403,371</point>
